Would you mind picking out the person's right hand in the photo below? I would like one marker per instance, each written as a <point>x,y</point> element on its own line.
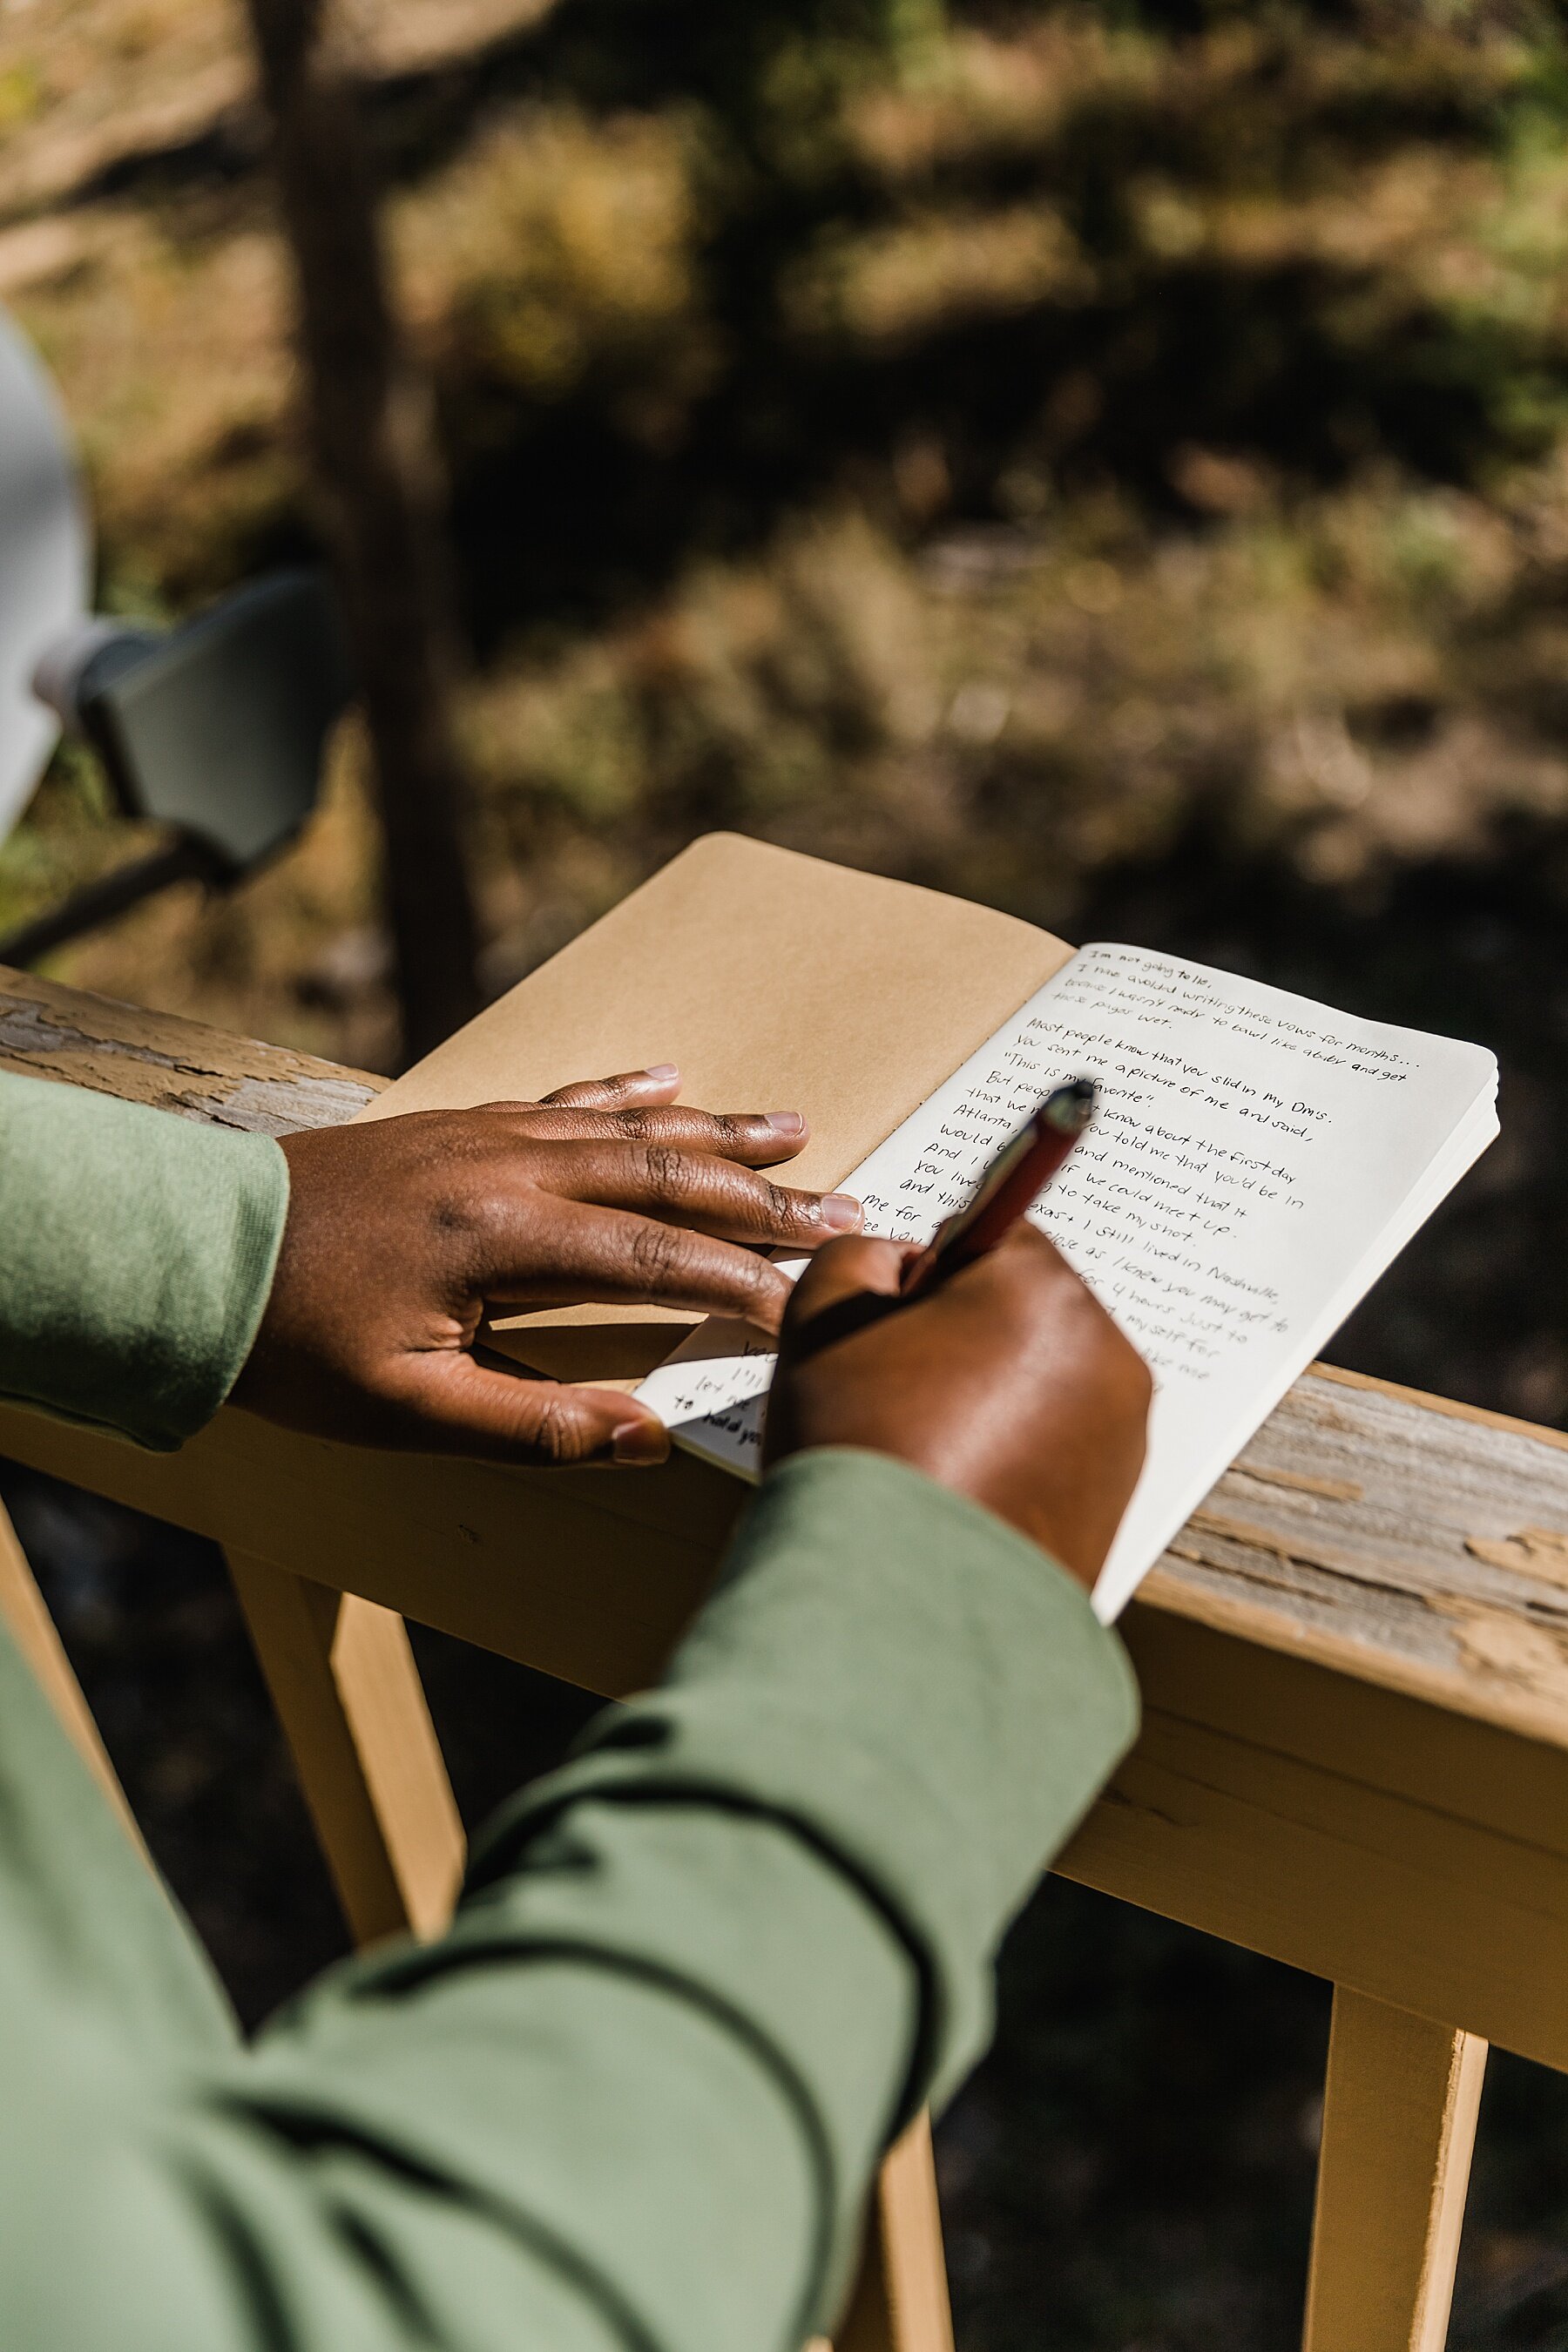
<point>1009,1383</point>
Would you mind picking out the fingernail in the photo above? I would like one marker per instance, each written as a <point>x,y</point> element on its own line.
<point>661,1070</point>
<point>642,1442</point>
<point>841,1210</point>
<point>786,1123</point>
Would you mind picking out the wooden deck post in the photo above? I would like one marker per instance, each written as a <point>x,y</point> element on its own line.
<point>901,2302</point>
<point>348,1693</point>
<point>30,1626</point>
<point>1399,2125</point>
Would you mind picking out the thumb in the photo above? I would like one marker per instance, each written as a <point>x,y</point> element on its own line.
<point>847,1285</point>
<point>470,1408</point>
<point>841,1269</point>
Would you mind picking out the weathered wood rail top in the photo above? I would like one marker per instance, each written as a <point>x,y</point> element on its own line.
<point>1353,1661</point>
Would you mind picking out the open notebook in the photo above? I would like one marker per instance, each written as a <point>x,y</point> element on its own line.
<point>1256,1162</point>
<point>915,1030</point>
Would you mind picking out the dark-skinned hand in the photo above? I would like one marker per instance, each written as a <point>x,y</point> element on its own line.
<point>404,1234</point>
<point>1009,1383</point>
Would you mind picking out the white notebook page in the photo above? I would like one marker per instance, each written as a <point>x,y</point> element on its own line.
<point>1255,1162</point>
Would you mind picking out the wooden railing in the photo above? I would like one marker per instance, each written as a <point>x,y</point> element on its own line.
<point>1354,1664</point>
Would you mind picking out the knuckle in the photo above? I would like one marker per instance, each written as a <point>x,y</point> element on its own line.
<point>1034,1251</point>
<point>557,1436</point>
<point>636,1126</point>
<point>759,1280</point>
<point>784,1209</point>
<point>669,1173</point>
<point>659,1252</point>
<point>1128,1378</point>
<point>463,1216</point>
<point>1049,1282</point>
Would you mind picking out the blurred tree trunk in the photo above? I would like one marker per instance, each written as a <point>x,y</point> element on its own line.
<point>380,479</point>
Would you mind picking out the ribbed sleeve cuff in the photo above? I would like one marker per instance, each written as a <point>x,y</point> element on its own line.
<point>911,1686</point>
<point>137,1250</point>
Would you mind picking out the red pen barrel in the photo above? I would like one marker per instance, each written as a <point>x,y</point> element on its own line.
<point>1014,1199</point>
<point>1006,1191</point>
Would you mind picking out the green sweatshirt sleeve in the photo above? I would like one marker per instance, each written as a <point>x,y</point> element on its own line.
<point>136,1253</point>
<point>634,2098</point>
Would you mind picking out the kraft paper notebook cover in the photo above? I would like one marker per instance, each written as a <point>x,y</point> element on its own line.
<point>777,982</point>
<point>1257,1160</point>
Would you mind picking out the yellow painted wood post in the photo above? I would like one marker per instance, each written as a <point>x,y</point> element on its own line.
<point>348,1693</point>
<point>901,2301</point>
<point>32,1630</point>
<point>1399,2126</point>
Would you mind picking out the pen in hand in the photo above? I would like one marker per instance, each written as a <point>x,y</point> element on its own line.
<point>1009,1188</point>
<point>1006,1191</point>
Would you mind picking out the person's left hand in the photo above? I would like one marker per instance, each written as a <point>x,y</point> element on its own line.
<point>404,1234</point>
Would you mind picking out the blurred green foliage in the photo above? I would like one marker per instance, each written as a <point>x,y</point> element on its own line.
<point>1013,430</point>
<point>983,440</point>
<point>1072,239</point>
